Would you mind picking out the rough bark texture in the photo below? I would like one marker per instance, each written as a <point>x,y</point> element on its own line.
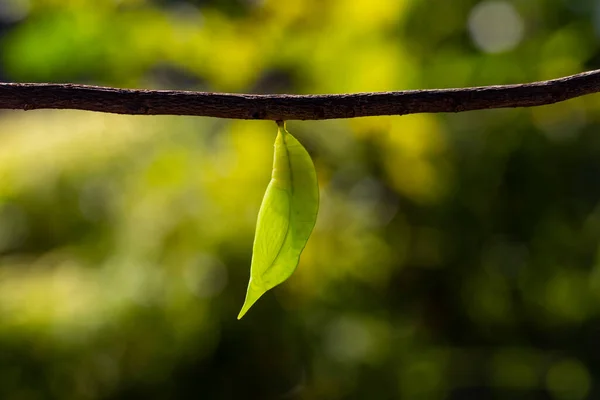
<point>30,96</point>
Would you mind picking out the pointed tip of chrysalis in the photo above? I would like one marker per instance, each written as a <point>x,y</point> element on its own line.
<point>251,296</point>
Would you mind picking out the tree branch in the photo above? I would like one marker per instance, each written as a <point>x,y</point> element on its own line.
<point>29,96</point>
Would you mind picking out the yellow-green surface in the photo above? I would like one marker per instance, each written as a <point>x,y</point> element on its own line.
<point>286,217</point>
<point>454,256</point>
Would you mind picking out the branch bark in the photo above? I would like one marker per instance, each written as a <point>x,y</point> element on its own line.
<point>30,96</point>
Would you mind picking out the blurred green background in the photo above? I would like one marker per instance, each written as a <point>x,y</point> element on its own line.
<point>455,256</point>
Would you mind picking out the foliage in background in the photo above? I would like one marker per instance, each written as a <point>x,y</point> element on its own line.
<point>454,256</point>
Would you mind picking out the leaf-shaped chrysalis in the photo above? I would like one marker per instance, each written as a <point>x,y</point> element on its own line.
<point>286,217</point>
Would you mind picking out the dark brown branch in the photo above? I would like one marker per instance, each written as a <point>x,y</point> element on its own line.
<point>29,96</point>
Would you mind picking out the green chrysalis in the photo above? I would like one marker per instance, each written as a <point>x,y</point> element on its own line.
<point>286,217</point>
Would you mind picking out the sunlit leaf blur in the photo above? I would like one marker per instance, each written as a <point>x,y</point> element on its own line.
<point>455,256</point>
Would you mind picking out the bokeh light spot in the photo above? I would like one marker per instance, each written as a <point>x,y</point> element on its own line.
<point>13,10</point>
<point>495,26</point>
<point>568,380</point>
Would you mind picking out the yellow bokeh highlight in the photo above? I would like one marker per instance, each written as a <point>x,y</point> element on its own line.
<point>365,15</point>
<point>568,379</point>
<point>218,49</point>
<point>563,52</point>
<point>563,297</point>
<point>410,147</point>
<point>45,144</point>
<point>112,4</point>
<point>282,14</point>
